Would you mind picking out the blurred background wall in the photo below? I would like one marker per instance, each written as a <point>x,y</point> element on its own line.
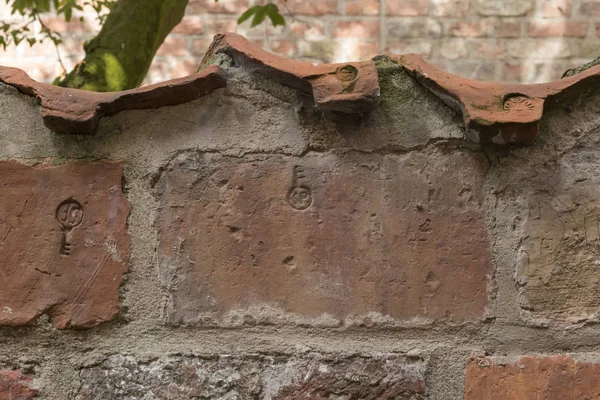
<point>499,40</point>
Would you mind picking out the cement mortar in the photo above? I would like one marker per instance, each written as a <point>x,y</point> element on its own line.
<point>253,115</point>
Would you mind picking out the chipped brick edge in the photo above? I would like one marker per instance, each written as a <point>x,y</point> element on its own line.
<point>497,113</point>
<point>494,113</point>
<point>76,111</point>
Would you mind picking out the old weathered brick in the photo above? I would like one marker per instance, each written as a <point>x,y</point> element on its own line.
<point>63,243</point>
<point>315,376</point>
<point>357,29</point>
<point>190,25</point>
<point>552,28</point>
<point>532,378</point>
<point>363,7</point>
<point>558,273</point>
<point>470,29</point>
<point>503,8</point>
<point>16,386</point>
<point>340,238</point>
<point>407,8</point>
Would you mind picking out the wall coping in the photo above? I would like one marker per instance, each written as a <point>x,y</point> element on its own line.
<point>493,113</point>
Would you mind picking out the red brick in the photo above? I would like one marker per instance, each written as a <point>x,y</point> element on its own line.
<point>242,234</point>
<point>357,29</point>
<point>407,8</point>
<point>555,29</point>
<point>470,29</point>
<point>363,7</point>
<point>16,386</point>
<point>532,378</point>
<point>172,46</point>
<point>493,49</point>
<point>222,6</point>
<point>76,288</point>
<point>312,7</point>
<point>508,29</point>
<point>556,8</point>
<point>190,26</point>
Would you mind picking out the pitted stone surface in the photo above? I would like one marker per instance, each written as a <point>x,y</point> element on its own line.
<point>324,239</point>
<point>558,271</point>
<point>16,386</point>
<point>314,376</point>
<point>533,378</point>
<point>63,243</point>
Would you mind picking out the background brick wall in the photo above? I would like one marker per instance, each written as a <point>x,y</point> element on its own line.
<point>500,40</point>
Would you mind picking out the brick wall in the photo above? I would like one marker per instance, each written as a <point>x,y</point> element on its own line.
<point>269,229</point>
<point>498,40</point>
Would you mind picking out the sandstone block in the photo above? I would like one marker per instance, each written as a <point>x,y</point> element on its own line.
<point>532,378</point>
<point>315,376</point>
<point>324,239</point>
<point>63,243</point>
<point>558,269</point>
<point>503,8</point>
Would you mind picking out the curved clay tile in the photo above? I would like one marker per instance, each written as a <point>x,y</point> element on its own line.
<point>493,112</point>
<point>496,112</point>
<point>67,110</point>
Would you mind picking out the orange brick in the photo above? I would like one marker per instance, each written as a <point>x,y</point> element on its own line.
<point>558,28</point>
<point>532,378</point>
<point>190,25</point>
<point>283,47</point>
<point>363,7</point>
<point>470,29</point>
<point>407,8</point>
<point>357,29</point>
<point>15,385</point>
<point>312,7</point>
<point>184,68</point>
<point>172,46</point>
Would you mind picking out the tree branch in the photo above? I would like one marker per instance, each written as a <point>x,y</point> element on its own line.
<point>118,58</point>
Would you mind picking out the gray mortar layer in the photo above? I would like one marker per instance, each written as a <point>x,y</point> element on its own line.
<point>254,115</point>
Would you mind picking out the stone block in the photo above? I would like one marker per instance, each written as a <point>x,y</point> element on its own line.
<point>63,243</point>
<point>503,8</point>
<point>558,272</point>
<point>314,376</point>
<point>324,239</point>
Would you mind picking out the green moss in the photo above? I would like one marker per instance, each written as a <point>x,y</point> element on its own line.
<point>582,68</point>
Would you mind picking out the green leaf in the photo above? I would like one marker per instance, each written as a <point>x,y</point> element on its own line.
<point>259,16</point>
<point>247,14</point>
<point>31,41</point>
<point>274,15</point>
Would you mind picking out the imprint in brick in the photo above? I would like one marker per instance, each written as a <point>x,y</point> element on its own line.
<point>56,260</point>
<point>361,247</point>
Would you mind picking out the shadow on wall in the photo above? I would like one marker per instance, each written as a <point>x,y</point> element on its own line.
<point>524,41</point>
